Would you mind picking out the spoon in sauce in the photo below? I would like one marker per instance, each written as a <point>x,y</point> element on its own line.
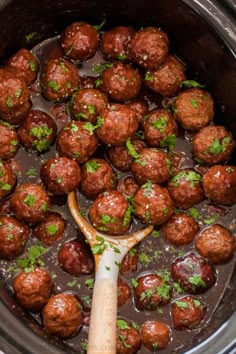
<point>108,253</point>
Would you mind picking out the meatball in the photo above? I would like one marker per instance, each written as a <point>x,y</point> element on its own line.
<point>38,131</point>
<point>14,97</point>
<point>51,229</point>
<point>24,64</point>
<point>119,124</point>
<point>180,229</point>
<point>155,335</point>
<point>79,41</point>
<point>8,179</point>
<point>140,106</point>
<point>122,156</point>
<point>128,187</point>
<point>151,291</point>
<point>128,338</point>
<point>194,109</point>
<point>97,176</point>
<point>111,213</point>
<point>114,43</point>
<point>158,125</point>
<point>130,261</point>
<point>152,165</point>
<point>30,202</point>
<point>213,144</point>
<point>166,79</point>
<point>77,141</point>
<point>9,142</point>
<point>33,289</point>
<point>216,244</point>
<point>185,188</point>
<point>59,79</point>
<point>62,316</point>
<point>123,292</point>
<point>13,236</point>
<point>149,47</point>
<point>219,184</point>
<point>61,175</point>
<point>88,103</point>
<point>121,82</point>
<point>193,273</point>
<point>187,313</point>
<point>75,259</point>
<point>153,204</point>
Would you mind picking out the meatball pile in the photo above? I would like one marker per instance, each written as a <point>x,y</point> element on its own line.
<point>120,153</point>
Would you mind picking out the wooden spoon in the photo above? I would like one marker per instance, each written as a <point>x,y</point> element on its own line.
<point>108,252</point>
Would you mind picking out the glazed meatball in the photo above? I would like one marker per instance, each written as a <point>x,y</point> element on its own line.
<point>123,292</point>
<point>61,175</point>
<point>158,125</point>
<point>122,156</point>
<point>155,335</point>
<point>166,79</point>
<point>219,184</point>
<point>14,97</point>
<point>193,109</point>
<point>62,316</point>
<point>13,236</point>
<point>51,229</point>
<point>114,43</point>
<point>33,289</point>
<point>153,204</point>
<point>128,338</point>
<point>75,259</point>
<point>187,313</point>
<point>149,47</point>
<point>213,144</point>
<point>152,165</point>
<point>140,106</point>
<point>128,187</point>
<point>88,103</point>
<point>9,142</point>
<point>77,141</point>
<point>30,202</point>
<point>79,41</point>
<point>216,244</point>
<point>130,261</point>
<point>185,188</point>
<point>97,176</point>
<point>38,131</point>
<point>59,79</point>
<point>151,291</point>
<point>24,64</point>
<point>193,273</point>
<point>119,124</point>
<point>8,179</point>
<point>121,82</point>
<point>180,229</point>
<point>111,213</point>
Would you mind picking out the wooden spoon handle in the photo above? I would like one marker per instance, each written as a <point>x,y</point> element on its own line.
<point>102,328</point>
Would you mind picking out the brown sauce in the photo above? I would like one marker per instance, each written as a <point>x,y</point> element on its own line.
<point>158,254</point>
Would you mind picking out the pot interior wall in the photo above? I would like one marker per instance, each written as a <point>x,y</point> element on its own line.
<point>191,38</point>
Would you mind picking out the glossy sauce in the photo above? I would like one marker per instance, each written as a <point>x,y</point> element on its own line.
<point>156,254</point>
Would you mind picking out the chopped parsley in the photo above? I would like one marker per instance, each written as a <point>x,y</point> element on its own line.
<point>90,127</point>
<point>229,169</point>
<point>31,172</point>
<point>91,109</point>
<point>63,66</point>
<point>5,187</point>
<point>98,27</point>
<point>197,281</point>
<point>194,213</point>
<point>92,166</point>
<point>144,258</point>
<point>31,36</point>
<point>160,124</point>
<point>216,147</point>
<point>53,85</point>
<point>73,128</point>
<point>32,65</point>
<point>33,257</point>
<point>41,133</point>
<point>122,324</point>
<point>29,200</point>
<point>165,211</point>
<point>210,219</point>
<point>81,115</point>
<point>98,83</point>
<point>99,68</point>
<point>9,102</point>
<point>194,103</point>
<point>169,142</point>
<point>122,56</point>
<point>189,176</point>
<point>44,207</point>
<point>197,303</point>
<point>127,216</point>
<point>134,282</point>
<point>18,92</point>
<point>147,188</point>
<point>131,149</point>
<point>90,283</point>
<point>100,246</point>
<point>52,229</point>
<point>141,162</point>
<point>191,83</point>
<point>148,76</point>
<point>181,304</point>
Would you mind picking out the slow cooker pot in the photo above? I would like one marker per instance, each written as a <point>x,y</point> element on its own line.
<point>203,34</point>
